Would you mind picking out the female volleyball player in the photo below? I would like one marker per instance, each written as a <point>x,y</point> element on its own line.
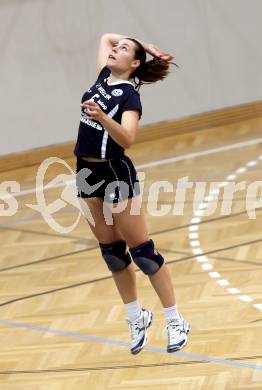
<point>110,113</point>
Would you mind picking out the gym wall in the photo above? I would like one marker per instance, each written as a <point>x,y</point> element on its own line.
<point>48,59</point>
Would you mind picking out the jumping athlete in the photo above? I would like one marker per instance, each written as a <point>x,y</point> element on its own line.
<point>110,113</point>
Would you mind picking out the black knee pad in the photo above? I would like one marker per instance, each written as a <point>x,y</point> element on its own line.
<point>115,255</point>
<point>147,258</point>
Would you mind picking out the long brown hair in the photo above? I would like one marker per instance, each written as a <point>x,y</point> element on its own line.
<point>148,71</point>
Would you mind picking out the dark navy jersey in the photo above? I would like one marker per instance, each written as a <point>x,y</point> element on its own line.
<point>93,139</point>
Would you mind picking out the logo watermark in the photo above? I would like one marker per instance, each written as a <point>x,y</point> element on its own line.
<point>206,197</point>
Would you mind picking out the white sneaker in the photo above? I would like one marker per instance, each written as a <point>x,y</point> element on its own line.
<point>138,330</point>
<point>177,333</point>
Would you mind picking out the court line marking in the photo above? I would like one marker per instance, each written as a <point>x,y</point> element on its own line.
<point>202,153</point>
<point>191,257</point>
<point>104,340</point>
<point>188,156</point>
<point>193,235</point>
<point>56,370</point>
<point>154,349</point>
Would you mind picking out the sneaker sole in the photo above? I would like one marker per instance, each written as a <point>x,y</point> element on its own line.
<point>149,323</point>
<point>182,345</point>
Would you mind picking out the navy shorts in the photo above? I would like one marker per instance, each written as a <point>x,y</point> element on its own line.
<point>113,180</point>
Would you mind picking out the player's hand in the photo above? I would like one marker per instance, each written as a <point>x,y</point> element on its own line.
<point>92,110</point>
<point>156,52</point>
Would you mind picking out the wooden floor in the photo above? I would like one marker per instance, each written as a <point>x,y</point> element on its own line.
<point>62,324</point>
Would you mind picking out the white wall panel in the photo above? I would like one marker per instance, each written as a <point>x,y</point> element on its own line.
<point>48,55</point>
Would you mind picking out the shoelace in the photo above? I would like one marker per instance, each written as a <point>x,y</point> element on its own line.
<point>174,326</point>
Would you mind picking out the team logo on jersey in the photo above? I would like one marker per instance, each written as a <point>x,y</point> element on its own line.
<point>112,196</point>
<point>117,92</point>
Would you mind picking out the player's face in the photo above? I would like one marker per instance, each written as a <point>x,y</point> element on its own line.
<point>121,57</point>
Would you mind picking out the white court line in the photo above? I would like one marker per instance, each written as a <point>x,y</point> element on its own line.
<point>37,189</point>
<point>207,266</point>
<point>119,343</point>
<point>198,213</point>
<point>202,153</point>
<point>151,164</point>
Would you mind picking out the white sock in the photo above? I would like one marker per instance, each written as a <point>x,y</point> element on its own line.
<point>133,310</point>
<point>171,312</point>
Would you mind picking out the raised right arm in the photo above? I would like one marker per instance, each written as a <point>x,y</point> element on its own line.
<point>107,41</point>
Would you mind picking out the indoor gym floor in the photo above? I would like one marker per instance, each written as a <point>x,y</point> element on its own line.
<point>62,324</point>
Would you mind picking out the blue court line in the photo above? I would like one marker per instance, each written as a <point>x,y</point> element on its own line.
<point>125,344</point>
